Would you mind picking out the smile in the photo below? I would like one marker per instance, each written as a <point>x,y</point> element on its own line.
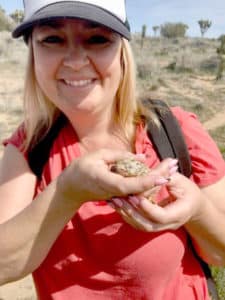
<point>78,83</point>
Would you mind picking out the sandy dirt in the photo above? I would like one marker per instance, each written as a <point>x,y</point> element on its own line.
<point>216,121</point>
<point>20,290</point>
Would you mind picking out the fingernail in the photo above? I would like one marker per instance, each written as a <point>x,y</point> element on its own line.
<point>134,200</point>
<point>118,202</point>
<point>161,181</point>
<point>173,163</point>
<point>173,170</point>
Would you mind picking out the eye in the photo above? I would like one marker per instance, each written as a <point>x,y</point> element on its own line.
<point>97,39</point>
<point>53,39</point>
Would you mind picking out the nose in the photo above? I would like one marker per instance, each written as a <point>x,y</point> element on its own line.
<point>76,57</point>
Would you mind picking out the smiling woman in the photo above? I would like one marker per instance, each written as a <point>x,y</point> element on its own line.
<point>82,230</point>
<point>83,67</point>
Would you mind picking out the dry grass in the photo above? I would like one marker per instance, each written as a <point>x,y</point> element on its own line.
<point>12,66</point>
<point>182,72</point>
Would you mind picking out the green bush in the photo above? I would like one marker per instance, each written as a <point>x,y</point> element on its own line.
<point>173,30</point>
<point>219,278</point>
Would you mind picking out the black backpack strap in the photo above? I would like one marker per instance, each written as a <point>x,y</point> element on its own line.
<point>168,138</point>
<point>168,141</point>
<point>39,154</point>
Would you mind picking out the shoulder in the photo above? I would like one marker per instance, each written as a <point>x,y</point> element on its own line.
<point>207,162</point>
<point>17,183</point>
<point>182,115</point>
<point>17,139</point>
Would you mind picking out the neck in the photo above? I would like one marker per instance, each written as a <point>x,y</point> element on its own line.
<point>100,132</point>
<point>87,125</point>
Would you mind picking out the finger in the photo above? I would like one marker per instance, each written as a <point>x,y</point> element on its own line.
<point>179,184</point>
<point>172,213</point>
<point>143,222</point>
<point>117,185</point>
<point>117,204</point>
<point>123,186</point>
<point>150,194</point>
<point>134,218</point>
<point>137,218</point>
<point>166,167</point>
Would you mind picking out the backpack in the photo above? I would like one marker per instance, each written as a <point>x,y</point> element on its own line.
<point>167,140</point>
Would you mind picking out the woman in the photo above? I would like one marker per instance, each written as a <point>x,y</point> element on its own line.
<point>60,228</point>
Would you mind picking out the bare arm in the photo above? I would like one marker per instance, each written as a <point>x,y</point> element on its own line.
<point>208,228</point>
<point>28,229</point>
<point>16,183</point>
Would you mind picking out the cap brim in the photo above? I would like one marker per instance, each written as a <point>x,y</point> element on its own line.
<point>74,10</point>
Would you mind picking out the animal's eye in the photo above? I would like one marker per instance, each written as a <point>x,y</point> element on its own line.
<point>52,39</point>
<point>97,39</point>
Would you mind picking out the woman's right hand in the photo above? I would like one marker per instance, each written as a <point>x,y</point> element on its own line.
<point>89,178</point>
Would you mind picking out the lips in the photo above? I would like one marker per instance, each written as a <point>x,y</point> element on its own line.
<point>78,83</point>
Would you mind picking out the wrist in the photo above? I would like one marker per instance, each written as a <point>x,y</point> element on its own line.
<point>67,192</point>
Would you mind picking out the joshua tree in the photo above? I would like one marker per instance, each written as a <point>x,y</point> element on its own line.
<point>143,35</point>
<point>204,26</point>
<point>155,29</point>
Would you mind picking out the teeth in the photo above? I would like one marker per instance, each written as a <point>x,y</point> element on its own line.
<point>78,83</point>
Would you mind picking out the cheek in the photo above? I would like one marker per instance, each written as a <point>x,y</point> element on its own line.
<point>115,76</point>
<point>45,69</point>
<point>110,69</point>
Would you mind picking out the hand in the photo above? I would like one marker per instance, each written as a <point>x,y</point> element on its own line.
<point>89,178</point>
<point>185,203</point>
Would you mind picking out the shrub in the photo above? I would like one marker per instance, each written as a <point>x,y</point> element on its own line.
<point>5,22</point>
<point>219,277</point>
<point>173,30</point>
<point>209,65</point>
<point>143,71</point>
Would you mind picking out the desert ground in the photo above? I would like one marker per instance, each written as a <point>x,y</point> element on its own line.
<point>181,71</point>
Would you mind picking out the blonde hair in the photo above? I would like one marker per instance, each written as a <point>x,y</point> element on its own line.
<point>40,112</point>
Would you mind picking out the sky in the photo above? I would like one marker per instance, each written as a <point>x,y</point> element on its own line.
<point>157,12</point>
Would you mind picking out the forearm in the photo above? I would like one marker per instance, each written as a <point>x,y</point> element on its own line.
<point>27,238</point>
<point>207,233</point>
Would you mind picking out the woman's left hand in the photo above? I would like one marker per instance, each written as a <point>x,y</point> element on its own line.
<point>184,205</point>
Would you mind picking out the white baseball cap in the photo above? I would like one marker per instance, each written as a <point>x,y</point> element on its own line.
<point>111,14</point>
